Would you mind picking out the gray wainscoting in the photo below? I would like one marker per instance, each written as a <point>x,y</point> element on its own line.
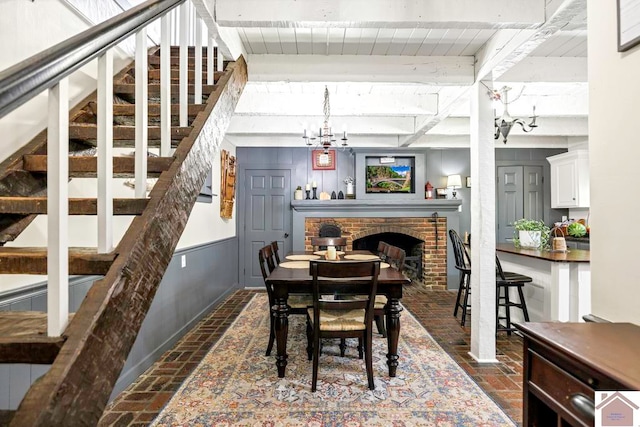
<point>184,296</point>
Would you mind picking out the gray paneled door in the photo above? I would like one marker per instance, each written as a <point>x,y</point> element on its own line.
<point>520,193</point>
<point>267,217</point>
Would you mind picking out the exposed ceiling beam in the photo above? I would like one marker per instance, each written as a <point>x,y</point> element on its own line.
<point>381,125</point>
<point>257,103</point>
<point>443,70</point>
<point>516,141</point>
<point>480,14</point>
<point>506,49</point>
<point>547,69</point>
<point>369,141</point>
<point>547,126</point>
<point>227,39</point>
<point>454,99</point>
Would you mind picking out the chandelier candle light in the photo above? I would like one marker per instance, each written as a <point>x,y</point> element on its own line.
<point>325,136</point>
<point>504,123</point>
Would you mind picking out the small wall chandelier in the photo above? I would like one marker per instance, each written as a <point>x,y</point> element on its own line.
<point>325,136</point>
<point>504,123</point>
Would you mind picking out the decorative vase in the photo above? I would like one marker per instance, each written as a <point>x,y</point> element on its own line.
<point>297,195</point>
<point>349,189</point>
<point>530,239</point>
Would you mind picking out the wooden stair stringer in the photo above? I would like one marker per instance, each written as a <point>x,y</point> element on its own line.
<point>103,330</point>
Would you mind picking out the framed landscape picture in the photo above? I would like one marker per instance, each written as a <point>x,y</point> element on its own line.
<point>323,161</point>
<point>628,24</point>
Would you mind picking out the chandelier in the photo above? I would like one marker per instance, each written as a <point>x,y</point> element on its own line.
<point>504,123</point>
<point>325,136</point>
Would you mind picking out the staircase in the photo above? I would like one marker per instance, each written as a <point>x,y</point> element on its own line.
<point>87,359</point>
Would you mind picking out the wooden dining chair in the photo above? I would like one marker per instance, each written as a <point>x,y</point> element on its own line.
<point>382,250</point>
<point>395,257</point>
<point>321,243</point>
<point>276,255</point>
<point>349,318</point>
<point>297,303</point>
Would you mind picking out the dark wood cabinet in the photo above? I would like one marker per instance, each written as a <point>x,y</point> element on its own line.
<point>565,363</point>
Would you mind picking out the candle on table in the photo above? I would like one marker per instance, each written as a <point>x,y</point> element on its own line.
<point>315,184</point>
<point>307,187</point>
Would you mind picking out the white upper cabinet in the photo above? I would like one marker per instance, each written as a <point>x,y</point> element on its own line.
<point>570,179</point>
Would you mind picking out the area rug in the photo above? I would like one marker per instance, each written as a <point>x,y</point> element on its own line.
<point>237,385</point>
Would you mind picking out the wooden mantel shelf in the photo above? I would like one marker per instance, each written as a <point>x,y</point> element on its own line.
<point>431,205</point>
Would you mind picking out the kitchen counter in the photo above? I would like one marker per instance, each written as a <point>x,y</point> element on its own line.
<point>577,239</point>
<point>572,255</point>
<point>561,286</point>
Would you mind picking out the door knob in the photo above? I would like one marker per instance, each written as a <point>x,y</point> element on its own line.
<point>286,235</point>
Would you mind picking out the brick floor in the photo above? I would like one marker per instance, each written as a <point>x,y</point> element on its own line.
<point>143,400</point>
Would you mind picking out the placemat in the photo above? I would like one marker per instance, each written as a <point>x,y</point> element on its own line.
<point>302,257</point>
<point>295,264</point>
<point>323,253</point>
<point>362,257</point>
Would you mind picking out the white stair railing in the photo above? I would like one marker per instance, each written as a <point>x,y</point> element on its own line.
<point>58,133</point>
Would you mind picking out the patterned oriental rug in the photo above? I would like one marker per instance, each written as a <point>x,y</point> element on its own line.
<point>237,385</point>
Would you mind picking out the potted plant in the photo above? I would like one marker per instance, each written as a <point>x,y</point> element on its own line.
<point>531,233</point>
<point>298,193</point>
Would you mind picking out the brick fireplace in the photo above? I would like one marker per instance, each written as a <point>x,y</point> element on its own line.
<point>358,219</point>
<point>434,254</point>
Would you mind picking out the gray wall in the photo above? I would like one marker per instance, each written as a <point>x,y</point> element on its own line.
<point>184,296</point>
<point>439,163</point>
<point>298,160</point>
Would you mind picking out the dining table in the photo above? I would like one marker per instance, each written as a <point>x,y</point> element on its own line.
<point>292,276</point>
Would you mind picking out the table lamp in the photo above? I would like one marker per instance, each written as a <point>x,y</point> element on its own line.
<point>454,182</point>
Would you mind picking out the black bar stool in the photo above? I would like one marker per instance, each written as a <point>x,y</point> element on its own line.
<point>504,281</point>
<point>463,264</point>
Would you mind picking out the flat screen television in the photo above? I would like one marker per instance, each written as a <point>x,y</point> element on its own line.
<point>390,174</point>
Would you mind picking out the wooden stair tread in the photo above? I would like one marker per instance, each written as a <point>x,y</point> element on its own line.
<point>154,109</point>
<point>89,131</point>
<point>23,338</point>
<point>154,74</point>
<point>77,206</point>
<point>175,60</point>
<point>154,89</point>
<point>33,260</point>
<point>87,166</point>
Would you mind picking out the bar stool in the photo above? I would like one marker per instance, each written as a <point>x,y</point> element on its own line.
<point>463,264</point>
<point>504,281</point>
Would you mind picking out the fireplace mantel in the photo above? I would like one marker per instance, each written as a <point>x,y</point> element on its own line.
<point>354,208</point>
<point>415,207</point>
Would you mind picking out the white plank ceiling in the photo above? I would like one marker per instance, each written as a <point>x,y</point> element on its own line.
<point>398,71</point>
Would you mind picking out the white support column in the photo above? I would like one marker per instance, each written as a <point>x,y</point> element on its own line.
<point>483,243</point>
<point>165,85</point>
<point>184,66</point>
<point>105,152</point>
<point>198,63</point>
<point>58,209</point>
<point>142,112</point>
<point>210,59</point>
<point>220,61</point>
